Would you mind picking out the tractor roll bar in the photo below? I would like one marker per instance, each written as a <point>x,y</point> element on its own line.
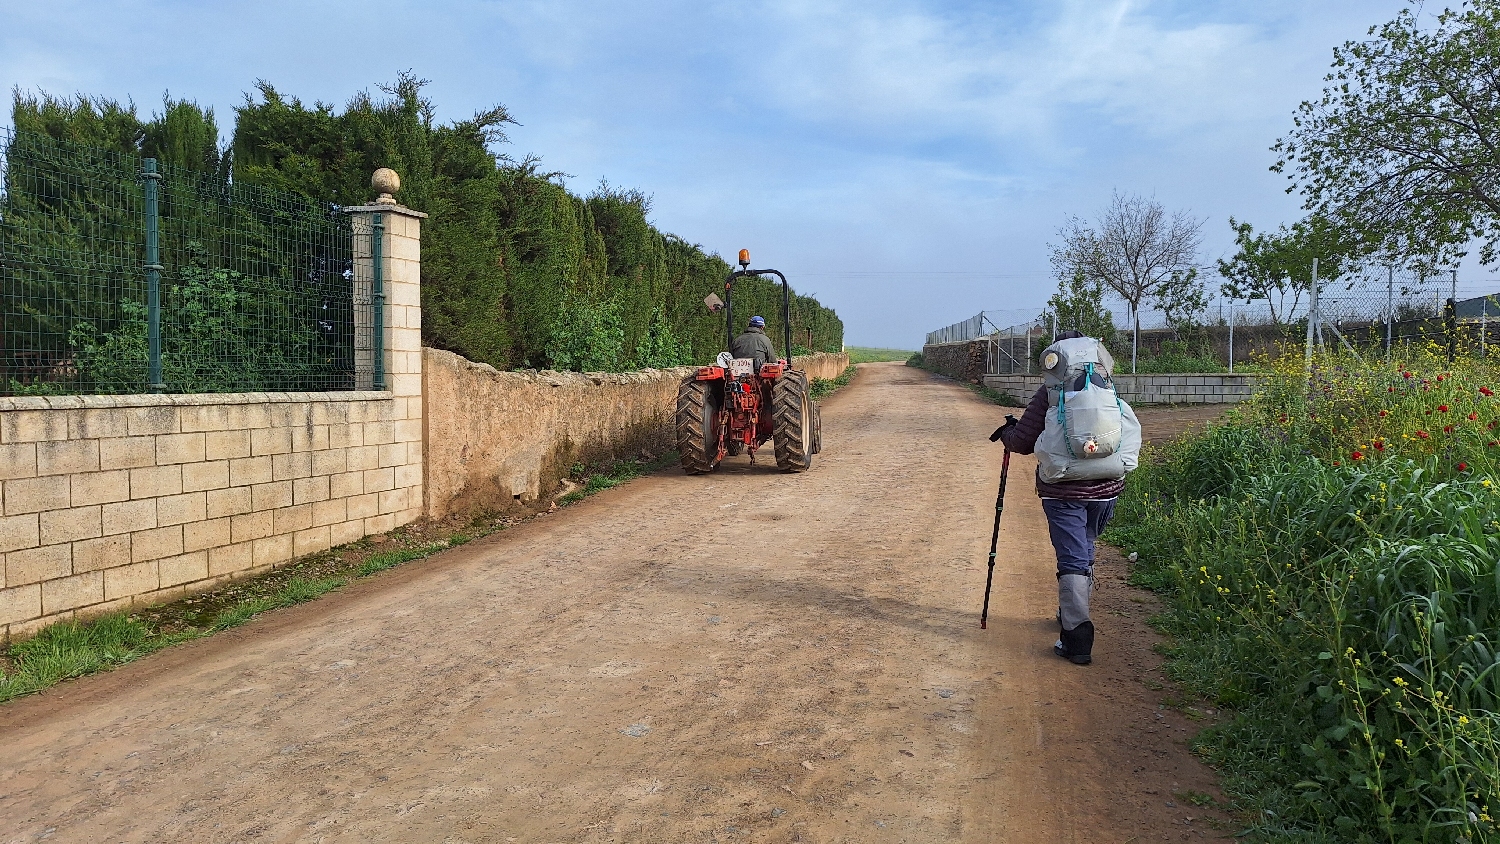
<point>786,306</point>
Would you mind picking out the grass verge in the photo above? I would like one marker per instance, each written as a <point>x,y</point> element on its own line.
<point>824,387</point>
<point>866,354</point>
<point>73,649</point>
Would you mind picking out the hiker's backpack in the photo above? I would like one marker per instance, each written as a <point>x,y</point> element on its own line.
<point>1090,432</point>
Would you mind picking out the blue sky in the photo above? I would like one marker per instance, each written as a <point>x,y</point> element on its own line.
<point>906,161</point>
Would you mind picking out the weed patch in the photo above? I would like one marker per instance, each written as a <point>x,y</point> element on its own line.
<point>823,387</point>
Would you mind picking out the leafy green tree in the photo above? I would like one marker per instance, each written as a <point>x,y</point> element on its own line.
<point>1270,266</point>
<point>1400,149</point>
<point>1078,305</point>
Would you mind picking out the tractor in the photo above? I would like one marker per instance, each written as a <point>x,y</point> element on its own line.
<point>729,408</point>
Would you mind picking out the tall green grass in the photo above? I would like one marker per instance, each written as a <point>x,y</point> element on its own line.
<point>1345,610</point>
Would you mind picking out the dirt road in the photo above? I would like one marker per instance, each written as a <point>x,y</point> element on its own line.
<point>746,656</point>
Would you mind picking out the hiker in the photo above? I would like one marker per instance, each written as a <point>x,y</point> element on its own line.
<point>754,344</point>
<point>1086,439</point>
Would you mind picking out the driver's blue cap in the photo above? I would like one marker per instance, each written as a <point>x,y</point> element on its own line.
<point>758,321</point>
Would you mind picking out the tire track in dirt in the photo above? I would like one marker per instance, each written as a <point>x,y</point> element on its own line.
<point>745,656</point>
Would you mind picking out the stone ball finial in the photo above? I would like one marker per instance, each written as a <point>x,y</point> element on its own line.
<point>386,182</point>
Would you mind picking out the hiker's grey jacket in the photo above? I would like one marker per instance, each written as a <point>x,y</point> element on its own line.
<point>1021,438</point>
<point>754,344</point>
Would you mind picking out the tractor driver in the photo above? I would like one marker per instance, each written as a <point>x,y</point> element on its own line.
<point>754,344</point>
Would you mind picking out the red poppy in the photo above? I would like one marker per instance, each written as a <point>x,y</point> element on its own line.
<point>1473,417</point>
<point>1447,429</point>
<point>1463,467</point>
<point>1493,443</point>
<point>1379,445</point>
<point>1358,455</point>
<point>1442,408</point>
<point>1486,391</point>
<point>1383,414</point>
<point>1422,435</point>
<point>1336,463</point>
<point>1390,389</point>
<point>1406,375</point>
<point>1440,378</point>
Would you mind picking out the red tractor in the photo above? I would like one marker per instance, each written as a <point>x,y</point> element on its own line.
<point>729,408</point>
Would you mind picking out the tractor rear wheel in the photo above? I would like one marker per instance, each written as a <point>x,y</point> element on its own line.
<point>697,425</point>
<point>794,421</point>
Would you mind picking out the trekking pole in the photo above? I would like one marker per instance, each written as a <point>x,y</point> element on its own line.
<point>989,578</point>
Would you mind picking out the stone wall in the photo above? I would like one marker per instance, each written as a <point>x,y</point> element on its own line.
<point>108,502</point>
<point>964,361</point>
<point>497,438</point>
<point>1148,389</point>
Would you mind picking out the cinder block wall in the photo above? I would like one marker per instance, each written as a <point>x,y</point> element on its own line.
<point>112,501</point>
<point>497,437</point>
<point>1148,389</point>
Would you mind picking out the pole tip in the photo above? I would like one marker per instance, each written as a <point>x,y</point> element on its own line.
<point>983,626</point>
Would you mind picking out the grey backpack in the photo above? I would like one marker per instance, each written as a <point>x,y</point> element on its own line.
<point>1090,432</point>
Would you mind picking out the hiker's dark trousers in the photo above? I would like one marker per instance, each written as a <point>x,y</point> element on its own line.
<point>1075,526</point>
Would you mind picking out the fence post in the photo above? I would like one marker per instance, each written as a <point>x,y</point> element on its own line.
<point>1312,314</point>
<point>1231,338</point>
<point>1450,328</point>
<point>1484,327</point>
<point>153,278</point>
<point>1390,307</point>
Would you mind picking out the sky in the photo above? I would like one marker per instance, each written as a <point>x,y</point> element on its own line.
<point>908,162</point>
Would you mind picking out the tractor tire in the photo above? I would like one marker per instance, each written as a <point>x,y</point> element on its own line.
<point>697,423</point>
<point>817,428</point>
<point>793,424</point>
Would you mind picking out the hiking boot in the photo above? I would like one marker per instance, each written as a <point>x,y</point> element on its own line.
<point>1076,645</point>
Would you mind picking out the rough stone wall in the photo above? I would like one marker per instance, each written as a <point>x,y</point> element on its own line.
<point>1148,389</point>
<point>498,438</point>
<point>964,361</point>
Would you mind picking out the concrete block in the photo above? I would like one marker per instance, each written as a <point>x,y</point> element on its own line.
<point>212,533</point>
<point>179,448</point>
<point>308,490</point>
<point>178,509</point>
<point>21,603</point>
<point>127,516</point>
<point>380,524</point>
<point>250,470</point>
<point>363,506</point>
<point>98,423</point>
<point>346,434</point>
<point>29,426</point>
<point>406,385</point>
<point>270,441</point>
<point>346,484</point>
<point>242,417</point>
<point>292,519</point>
<point>102,553</point>
<point>333,413</point>
<point>407,516</point>
<point>311,541</point>
<point>185,568</point>
<point>380,480</point>
<point>327,462</point>
<point>392,454</point>
<point>270,496</point>
<point>59,458</point>
<point>343,533</point>
<point>228,559</point>
<point>329,512</point>
<point>127,452</point>
<point>203,418</point>
<point>73,592</point>
<point>286,467</point>
<point>409,475</point>
<point>153,481</point>
<point>59,526</point>
<point>409,430</point>
<point>309,437</point>
<point>33,565</point>
<point>224,445</point>
<point>17,460</point>
<point>31,495</point>
<point>379,432</point>
<point>152,420</point>
<point>271,550</point>
<point>17,532</point>
<point>99,487</point>
<point>250,526</point>
<point>393,501</point>
<point>131,580</point>
<point>197,477</point>
<point>362,457</point>
<point>227,502</point>
<point>156,543</point>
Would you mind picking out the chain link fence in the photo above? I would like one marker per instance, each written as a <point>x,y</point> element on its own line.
<point>119,276</point>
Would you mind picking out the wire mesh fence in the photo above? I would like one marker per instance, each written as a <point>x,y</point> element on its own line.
<point>254,289</point>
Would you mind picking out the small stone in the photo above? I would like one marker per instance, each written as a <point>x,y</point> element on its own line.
<point>636,730</point>
<point>713,619</point>
<point>944,693</point>
<point>806,764</point>
<point>778,812</point>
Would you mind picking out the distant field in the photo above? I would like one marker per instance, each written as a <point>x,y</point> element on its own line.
<point>863,354</point>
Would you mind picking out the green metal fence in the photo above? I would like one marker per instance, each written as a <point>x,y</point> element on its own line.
<point>121,276</point>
